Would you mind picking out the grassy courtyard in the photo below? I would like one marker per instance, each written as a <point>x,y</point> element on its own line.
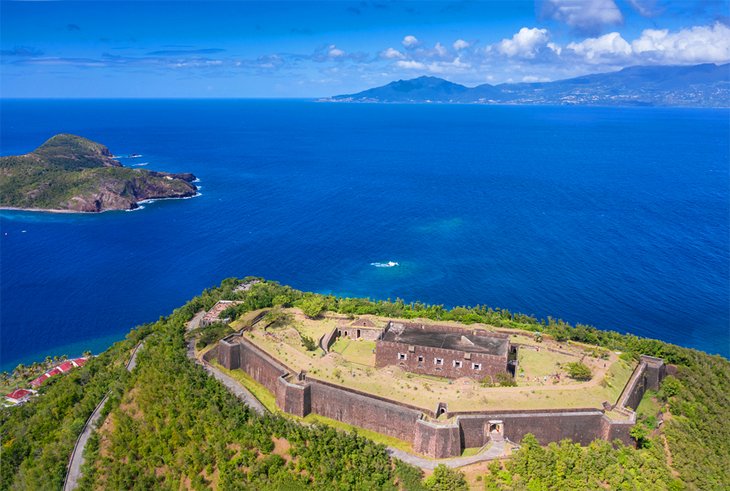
<point>542,380</point>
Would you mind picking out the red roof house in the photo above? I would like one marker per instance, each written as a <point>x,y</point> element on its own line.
<point>39,381</point>
<point>66,366</point>
<point>19,396</point>
<point>79,362</point>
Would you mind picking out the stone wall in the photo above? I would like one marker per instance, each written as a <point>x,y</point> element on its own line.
<point>303,395</point>
<point>437,440</point>
<point>372,413</point>
<point>646,376</point>
<point>359,332</point>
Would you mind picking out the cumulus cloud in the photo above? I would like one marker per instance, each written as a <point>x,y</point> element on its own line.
<point>525,43</point>
<point>410,64</point>
<point>335,52</point>
<point>410,41</point>
<point>439,50</point>
<point>392,54</point>
<point>699,44</point>
<point>460,44</point>
<point>583,15</point>
<point>595,50</point>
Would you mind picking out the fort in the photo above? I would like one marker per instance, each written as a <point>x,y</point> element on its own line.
<point>436,431</point>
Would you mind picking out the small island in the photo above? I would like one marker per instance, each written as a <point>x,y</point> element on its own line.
<point>69,173</point>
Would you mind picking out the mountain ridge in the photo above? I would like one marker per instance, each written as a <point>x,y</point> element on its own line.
<point>703,85</point>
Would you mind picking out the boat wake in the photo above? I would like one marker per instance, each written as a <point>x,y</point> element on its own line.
<point>389,264</point>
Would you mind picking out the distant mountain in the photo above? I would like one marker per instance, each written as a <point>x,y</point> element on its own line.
<point>706,85</point>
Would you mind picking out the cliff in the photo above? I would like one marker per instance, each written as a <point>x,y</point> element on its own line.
<point>71,173</point>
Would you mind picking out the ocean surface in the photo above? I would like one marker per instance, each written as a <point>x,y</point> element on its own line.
<point>606,216</point>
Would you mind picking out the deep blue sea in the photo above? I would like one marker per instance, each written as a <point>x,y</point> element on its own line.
<point>616,217</point>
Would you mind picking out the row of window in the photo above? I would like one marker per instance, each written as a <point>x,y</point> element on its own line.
<point>440,361</point>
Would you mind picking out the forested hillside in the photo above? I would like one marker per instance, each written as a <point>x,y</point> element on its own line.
<point>170,426</point>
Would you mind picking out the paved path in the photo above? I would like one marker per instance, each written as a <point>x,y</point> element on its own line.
<point>73,472</point>
<point>234,386</point>
<point>495,451</point>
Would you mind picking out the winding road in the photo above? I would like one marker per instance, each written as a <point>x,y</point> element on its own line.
<point>73,472</point>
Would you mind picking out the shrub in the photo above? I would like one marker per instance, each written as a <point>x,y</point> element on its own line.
<point>579,371</point>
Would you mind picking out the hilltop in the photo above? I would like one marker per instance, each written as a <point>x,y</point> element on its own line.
<point>169,425</point>
<point>706,85</point>
<point>74,174</point>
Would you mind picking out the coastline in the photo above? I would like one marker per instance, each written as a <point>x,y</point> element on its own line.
<point>138,203</point>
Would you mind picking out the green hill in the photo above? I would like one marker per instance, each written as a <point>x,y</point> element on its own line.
<point>169,425</point>
<point>71,173</point>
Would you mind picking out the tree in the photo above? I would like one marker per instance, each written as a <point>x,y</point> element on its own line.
<point>446,479</point>
<point>312,306</point>
<point>579,371</point>
<point>308,342</point>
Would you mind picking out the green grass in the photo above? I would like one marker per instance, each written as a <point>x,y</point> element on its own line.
<point>369,434</point>
<point>470,452</point>
<point>542,363</point>
<point>356,351</point>
<point>617,377</point>
<point>649,406</point>
<point>260,392</point>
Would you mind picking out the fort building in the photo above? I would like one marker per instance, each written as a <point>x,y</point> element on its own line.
<point>437,432</point>
<point>445,351</point>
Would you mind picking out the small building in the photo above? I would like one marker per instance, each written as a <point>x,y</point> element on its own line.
<point>362,328</point>
<point>19,396</point>
<point>79,362</point>
<point>66,366</point>
<point>213,315</point>
<point>444,351</point>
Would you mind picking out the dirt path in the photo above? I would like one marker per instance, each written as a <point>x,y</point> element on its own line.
<point>73,472</point>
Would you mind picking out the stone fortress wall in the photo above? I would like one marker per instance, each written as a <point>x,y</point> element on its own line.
<point>301,395</point>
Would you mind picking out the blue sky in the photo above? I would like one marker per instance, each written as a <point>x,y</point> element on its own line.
<point>312,49</point>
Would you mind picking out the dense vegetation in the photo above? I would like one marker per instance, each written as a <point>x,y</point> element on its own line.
<point>37,437</point>
<point>72,173</point>
<point>172,426</point>
<point>567,466</point>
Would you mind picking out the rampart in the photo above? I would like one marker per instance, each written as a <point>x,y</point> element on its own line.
<point>301,395</point>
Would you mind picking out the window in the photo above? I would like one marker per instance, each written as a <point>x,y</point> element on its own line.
<point>476,366</point>
<point>457,364</point>
<point>438,361</point>
<point>420,358</point>
<point>402,356</point>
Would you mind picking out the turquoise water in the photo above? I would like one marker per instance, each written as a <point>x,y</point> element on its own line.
<point>611,217</point>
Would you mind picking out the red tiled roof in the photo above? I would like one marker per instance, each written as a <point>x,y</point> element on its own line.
<point>66,366</point>
<point>79,362</point>
<point>37,382</point>
<point>18,394</point>
<point>53,372</point>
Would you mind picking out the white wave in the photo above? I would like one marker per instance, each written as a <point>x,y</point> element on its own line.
<point>389,264</point>
<point>148,201</point>
<point>140,164</point>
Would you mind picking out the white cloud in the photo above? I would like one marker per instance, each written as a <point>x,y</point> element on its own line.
<point>440,50</point>
<point>531,79</point>
<point>583,15</point>
<point>335,52</point>
<point>699,44</point>
<point>595,50</point>
<point>410,41</point>
<point>460,44</point>
<point>525,43</point>
<point>392,54</point>
<point>456,65</point>
<point>410,64</point>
